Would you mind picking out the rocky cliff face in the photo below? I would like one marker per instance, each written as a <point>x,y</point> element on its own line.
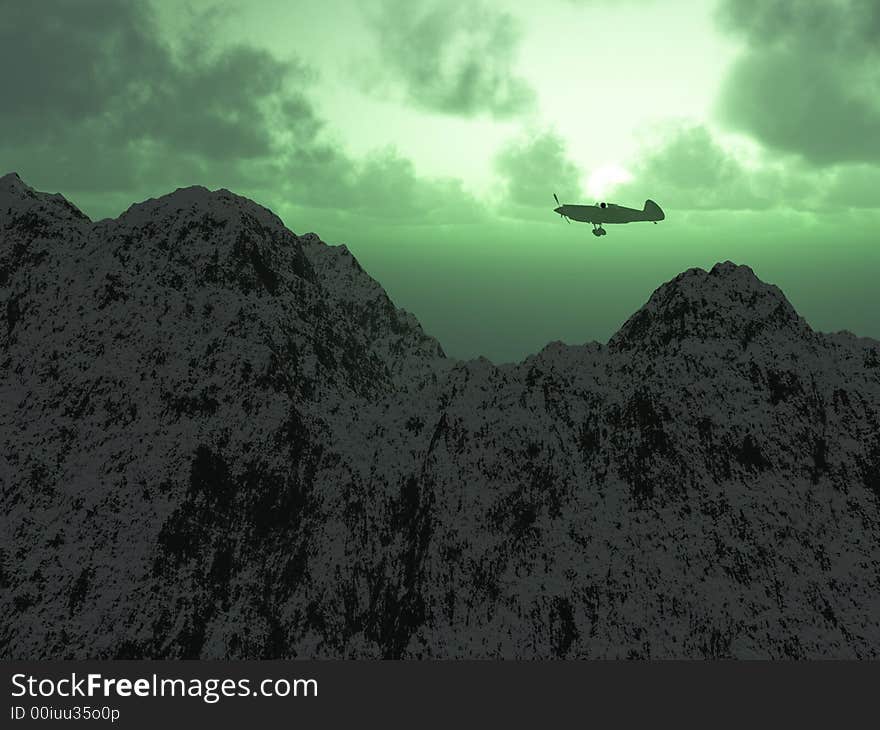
<point>221,439</point>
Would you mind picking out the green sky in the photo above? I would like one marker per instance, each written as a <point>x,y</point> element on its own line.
<point>430,137</point>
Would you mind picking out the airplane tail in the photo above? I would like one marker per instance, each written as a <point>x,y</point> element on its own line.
<point>653,211</point>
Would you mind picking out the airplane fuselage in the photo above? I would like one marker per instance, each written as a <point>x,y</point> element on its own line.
<point>598,215</point>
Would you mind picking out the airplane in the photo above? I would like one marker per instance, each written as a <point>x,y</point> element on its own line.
<point>608,213</point>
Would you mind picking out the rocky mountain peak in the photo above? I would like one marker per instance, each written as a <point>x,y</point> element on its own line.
<point>728,303</point>
<point>222,206</point>
<point>212,262</point>
<point>207,237</point>
<point>21,203</point>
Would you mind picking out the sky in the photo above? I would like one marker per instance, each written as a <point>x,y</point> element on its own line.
<point>429,136</point>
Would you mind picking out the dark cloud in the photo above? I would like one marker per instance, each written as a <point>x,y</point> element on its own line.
<point>690,170</point>
<point>383,187</point>
<point>854,186</point>
<point>102,65</point>
<point>534,168</point>
<point>808,80</point>
<point>454,57</point>
<point>387,185</point>
<point>101,103</point>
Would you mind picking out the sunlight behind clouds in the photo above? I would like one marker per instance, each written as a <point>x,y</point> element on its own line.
<point>600,71</point>
<point>603,72</point>
<point>605,178</point>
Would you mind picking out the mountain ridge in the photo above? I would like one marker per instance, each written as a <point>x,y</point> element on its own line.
<point>196,195</point>
<point>221,439</point>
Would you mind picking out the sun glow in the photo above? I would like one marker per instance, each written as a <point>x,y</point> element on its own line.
<point>605,178</point>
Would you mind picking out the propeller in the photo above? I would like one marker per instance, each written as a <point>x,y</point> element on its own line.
<point>559,205</point>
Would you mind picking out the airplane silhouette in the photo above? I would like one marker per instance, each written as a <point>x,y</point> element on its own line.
<point>608,213</point>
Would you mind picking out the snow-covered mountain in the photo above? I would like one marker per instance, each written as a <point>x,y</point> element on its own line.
<point>221,439</point>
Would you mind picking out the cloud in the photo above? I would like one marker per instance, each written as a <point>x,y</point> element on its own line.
<point>533,168</point>
<point>689,169</point>
<point>103,66</point>
<point>808,80</point>
<point>854,186</point>
<point>385,185</point>
<point>104,105</point>
<point>453,57</point>
<point>382,187</point>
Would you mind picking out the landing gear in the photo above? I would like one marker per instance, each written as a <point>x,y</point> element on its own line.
<point>599,231</point>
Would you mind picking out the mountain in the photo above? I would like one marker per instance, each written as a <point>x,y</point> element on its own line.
<point>222,439</point>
